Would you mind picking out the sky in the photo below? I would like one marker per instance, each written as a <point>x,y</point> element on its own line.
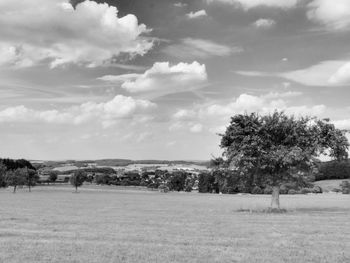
<point>151,79</point>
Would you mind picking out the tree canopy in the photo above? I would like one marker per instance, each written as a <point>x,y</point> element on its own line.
<point>278,146</point>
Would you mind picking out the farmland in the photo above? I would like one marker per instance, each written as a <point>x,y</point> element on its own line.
<point>108,224</point>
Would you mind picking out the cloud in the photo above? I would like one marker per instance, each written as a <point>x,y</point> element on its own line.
<point>199,13</point>
<point>215,115</point>
<point>264,23</point>
<point>163,78</point>
<point>53,31</point>
<point>180,4</point>
<point>196,128</point>
<point>330,73</point>
<point>248,4</point>
<point>199,48</point>
<point>335,15</point>
<point>120,107</point>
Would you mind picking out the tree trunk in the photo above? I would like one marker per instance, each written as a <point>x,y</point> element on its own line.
<point>76,189</point>
<point>14,189</point>
<point>275,201</point>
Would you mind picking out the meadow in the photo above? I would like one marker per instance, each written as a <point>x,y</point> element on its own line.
<point>52,224</point>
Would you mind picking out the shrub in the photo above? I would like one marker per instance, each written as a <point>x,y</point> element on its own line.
<point>345,187</point>
<point>305,191</point>
<point>257,191</point>
<point>336,190</point>
<point>292,192</point>
<point>316,190</point>
<point>163,188</point>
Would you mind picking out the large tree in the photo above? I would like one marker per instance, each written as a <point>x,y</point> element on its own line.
<point>279,147</point>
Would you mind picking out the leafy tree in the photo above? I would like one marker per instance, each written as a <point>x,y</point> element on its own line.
<point>278,147</point>
<point>53,176</point>
<point>77,179</point>
<point>16,178</point>
<point>31,177</point>
<point>2,175</point>
<point>177,181</point>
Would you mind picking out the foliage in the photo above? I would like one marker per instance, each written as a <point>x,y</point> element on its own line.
<point>31,178</point>
<point>16,178</point>
<point>77,179</point>
<point>345,187</point>
<point>2,175</point>
<point>333,170</point>
<point>177,181</point>
<point>279,148</point>
<point>15,164</point>
<point>206,183</point>
<point>53,176</point>
<point>257,190</point>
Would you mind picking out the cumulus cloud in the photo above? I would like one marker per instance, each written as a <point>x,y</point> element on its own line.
<point>199,48</point>
<point>199,13</point>
<point>326,73</point>
<point>215,115</point>
<point>163,78</point>
<point>264,23</point>
<point>248,4</point>
<point>334,15</point>
<point>53,31</point>
<point>120,107</point>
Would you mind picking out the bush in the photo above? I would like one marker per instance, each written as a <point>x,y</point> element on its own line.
<point>268,190</point>
<point>316,190</point>
<point>163,188</point>
<point>305,191</point>
<point>345,187</point>
<point>257,191</point>
<point>292,192</point>
<point>336,190</point>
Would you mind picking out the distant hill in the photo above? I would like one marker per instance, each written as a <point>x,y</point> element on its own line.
<point>117,162</point>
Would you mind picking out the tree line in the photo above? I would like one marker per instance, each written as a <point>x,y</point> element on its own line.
<point>17,173</point>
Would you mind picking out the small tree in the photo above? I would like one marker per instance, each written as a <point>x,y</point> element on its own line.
<point>16,178</point>
<point>278,147</point>
<point>77,179</point>
<point>31,177</point>
<point>53,176</point>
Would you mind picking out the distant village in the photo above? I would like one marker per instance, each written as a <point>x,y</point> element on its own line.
<point>151,175</point>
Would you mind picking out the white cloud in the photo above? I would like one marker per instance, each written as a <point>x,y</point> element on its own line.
<point>52,30</point>
<point>333,14</point>
<point>120,107</point>
<point>327,73</point>
<point>248,4</point>
<point>196,128</point>
<point>342,124</point>
<point>264,23</point>
<point>263,104</point>
<point>180,4</point>
<point>199,13</point>
<point>163,78</point>
<point>341,76</point>
<point>184,114</point>
<point>200,48</point>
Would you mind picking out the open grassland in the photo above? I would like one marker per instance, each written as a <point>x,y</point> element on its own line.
<point>106,225</point>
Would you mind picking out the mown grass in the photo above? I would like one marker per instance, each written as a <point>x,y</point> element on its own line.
<point>106,225</point>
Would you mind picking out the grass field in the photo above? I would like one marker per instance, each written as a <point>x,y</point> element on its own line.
<point>53,224</point>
